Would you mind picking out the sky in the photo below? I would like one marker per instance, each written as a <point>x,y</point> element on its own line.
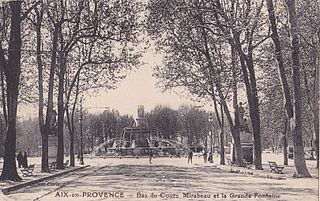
<point>138,88</point>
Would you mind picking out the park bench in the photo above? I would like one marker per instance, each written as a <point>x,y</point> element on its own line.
<point>52,166</point>
<point>65,164</point>
<point>28,171</point>
<point>276,168</point>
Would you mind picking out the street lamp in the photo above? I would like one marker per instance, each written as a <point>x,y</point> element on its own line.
<point>211,133</point>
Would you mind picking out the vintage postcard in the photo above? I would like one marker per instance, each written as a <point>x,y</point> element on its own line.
<point>159,100</point>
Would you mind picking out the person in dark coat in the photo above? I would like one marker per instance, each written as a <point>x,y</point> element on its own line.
<point>210,158</point>
<point>19,159</point>
<point>25,160</point>
<point>204,156</point>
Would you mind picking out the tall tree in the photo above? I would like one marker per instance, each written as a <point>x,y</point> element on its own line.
<point>281,69</point>
<point>194,125</point>
<point>239,23</point>
<point>113,38</point>
<point>4,26</point>
<point>300,168</point>
<point>44,122</point>
<point>235,76</point>
<point>12,69</point>
<point>165,120</point>
<point>309,32</point>
<point>195,57</point>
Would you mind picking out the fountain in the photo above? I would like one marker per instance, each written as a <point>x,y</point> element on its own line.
<point>139,140</point>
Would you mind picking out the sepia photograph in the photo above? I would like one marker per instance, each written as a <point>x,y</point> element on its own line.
<point>159,100</point>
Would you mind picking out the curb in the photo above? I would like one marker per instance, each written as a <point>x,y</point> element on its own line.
<point>127,156</point>
<point>7,190</point>
<point>252,173</point>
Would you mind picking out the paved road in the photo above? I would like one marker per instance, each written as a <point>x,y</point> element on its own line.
<point>135,179</point>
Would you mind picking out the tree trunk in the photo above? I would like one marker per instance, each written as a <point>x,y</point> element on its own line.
<point>12,72</point>
<point>43,130</point>
<point>3,101</point>
<point>316,135</point>
<point>71,121</point>
<point>254,115</point>
<point>235,104</point>
<point>49,112</point>
<point>235,135</point>
<point>222,160</point>
<point>279,58</point>
<point>61,110</point>
<point>71,134</point>
<point>315,102</point>
<point>3,94</point>
<point>234,132</point>
<point>300,167</point>
<point>246,63</point>
<point>316,116</point>
<point>282,73</point>
<point>72,157</point>
<point>285,143</point>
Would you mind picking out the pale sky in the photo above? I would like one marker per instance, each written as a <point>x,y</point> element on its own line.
<point>139,88</point>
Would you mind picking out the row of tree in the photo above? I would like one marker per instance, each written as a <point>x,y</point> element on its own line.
<point>218,49</point>
<point>188,124</point>
<point>54,51</point>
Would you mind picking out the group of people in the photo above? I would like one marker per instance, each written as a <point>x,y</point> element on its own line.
<point>22,160</point>
<point>205,156</point>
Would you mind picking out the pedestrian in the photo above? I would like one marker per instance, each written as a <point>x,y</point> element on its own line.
<point>19,159</point>
<point>78,157</point>
<point>204,156</point>
<point>150,156</point>
<point>190,154</point>
<point>25,160</point>
<point>210,157</point>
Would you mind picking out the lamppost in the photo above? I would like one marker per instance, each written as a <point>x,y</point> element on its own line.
<point>211,133</point>
<point>81,134</point>
<point>81,130</point>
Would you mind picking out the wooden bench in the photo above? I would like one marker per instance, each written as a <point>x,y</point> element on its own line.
<point>52,166</point>
<point>65,164</point>
<point>28,171</point>
<point>276,168</point>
